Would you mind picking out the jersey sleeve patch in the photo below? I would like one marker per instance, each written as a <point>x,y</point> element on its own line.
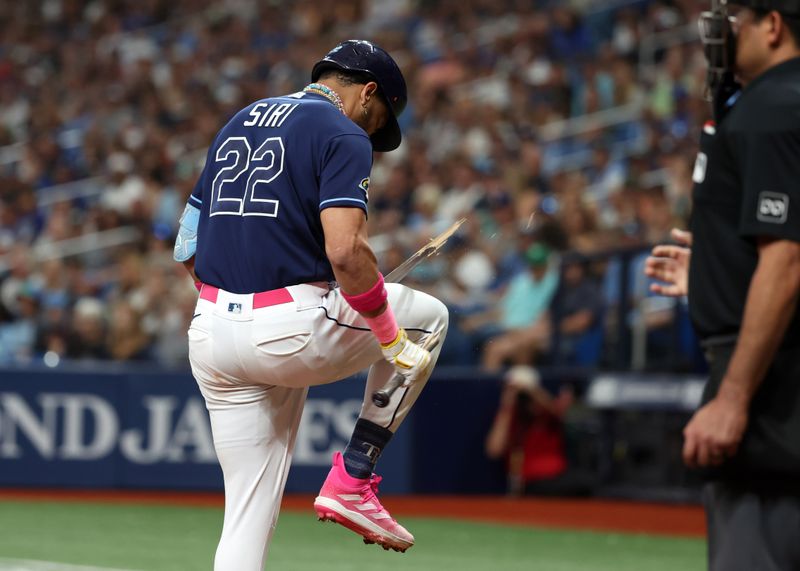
<point>773,207</point>
<point>769,171</point>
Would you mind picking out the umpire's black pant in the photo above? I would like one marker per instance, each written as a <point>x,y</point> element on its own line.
<point>751,531</point>
<point>754,522</point>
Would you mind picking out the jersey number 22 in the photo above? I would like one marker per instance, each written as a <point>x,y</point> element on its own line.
<point>234,192</point>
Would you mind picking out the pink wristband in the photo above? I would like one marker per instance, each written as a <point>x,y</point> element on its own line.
<point>384,326</point>
<point>198,285</point>
<point>370,300</point>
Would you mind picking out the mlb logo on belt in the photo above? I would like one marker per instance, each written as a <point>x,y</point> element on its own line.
<point>234,308</point>
<point>773,207</point>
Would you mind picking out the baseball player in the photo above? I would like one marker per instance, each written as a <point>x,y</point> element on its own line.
<point>743,282</point>
<point>278,214</point>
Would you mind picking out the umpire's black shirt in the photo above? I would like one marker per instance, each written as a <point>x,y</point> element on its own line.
<point>747,184</point>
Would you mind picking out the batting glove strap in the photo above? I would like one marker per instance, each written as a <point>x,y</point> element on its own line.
<point>408,358</point>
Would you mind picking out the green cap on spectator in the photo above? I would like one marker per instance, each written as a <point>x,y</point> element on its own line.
<point>537,254</point>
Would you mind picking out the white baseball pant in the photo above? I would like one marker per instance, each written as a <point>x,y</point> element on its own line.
<point>254,367</point>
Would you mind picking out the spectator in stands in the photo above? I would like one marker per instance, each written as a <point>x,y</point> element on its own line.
<point>576,314</point>
<point>125,189</point>
<point>13,279</point>
<point>569,37</point>
<point>18,335</point>
<point>608,175</point>
<point>467,289</point>
<point>500,233</point>
<point>87,339</point>
<point>424,217</point>
<point>522,309</point>
<point>393,203</point>
<point>655,217</point>
<point>170,346</point>
<point>146,83</point>
<point>569,332</point>
<point>130,274</point>
<point>578,216</point>
<point>127,341</point>
<point>626,33</point>
<point>53,316</point>
<point>528,433</point>
<point>464,190</point>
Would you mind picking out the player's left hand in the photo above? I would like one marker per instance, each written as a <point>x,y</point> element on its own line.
<point>410,360</point>
<point>714,432</point>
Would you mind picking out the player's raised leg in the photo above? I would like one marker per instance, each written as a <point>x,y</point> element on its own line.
<point>349,494</point>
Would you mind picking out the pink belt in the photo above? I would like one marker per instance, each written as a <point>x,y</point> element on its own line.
<point>260,299</point>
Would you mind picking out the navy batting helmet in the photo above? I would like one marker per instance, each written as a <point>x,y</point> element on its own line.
<point>366,57</point>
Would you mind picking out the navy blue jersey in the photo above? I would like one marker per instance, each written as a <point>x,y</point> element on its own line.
<point>268,174</point>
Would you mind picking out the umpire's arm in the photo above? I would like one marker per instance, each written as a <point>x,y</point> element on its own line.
<point>716,430</point>
<point>771,305</point>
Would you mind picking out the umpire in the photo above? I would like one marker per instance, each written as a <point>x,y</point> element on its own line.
<point>744,279</point>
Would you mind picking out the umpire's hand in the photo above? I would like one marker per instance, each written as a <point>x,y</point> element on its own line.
<point>670,264</point>
<point>715,431</point>
<point>409,359</point>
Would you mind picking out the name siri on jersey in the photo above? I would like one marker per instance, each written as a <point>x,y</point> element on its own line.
<point>269,114</point>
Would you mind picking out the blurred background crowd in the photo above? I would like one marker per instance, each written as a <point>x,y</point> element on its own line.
<point>565,132</point>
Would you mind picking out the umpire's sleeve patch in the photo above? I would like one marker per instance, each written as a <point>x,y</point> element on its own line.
<point>773,207</point>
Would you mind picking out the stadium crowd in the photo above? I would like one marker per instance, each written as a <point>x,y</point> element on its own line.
<point>540,122</point>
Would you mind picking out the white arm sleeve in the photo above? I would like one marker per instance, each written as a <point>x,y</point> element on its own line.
<point>186,242</point>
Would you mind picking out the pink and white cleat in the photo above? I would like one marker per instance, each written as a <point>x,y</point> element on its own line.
<point>354,503</point>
